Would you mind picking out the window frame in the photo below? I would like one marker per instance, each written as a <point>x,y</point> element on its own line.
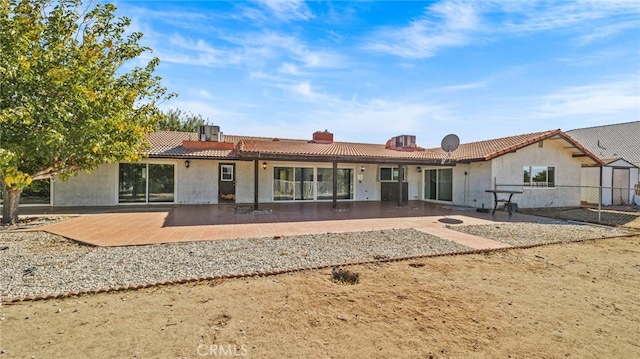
<point>298,183</point>
<point>147,185</point>
<point>438,183</point>
<point>230,173</point>
<point>394,173</point>
<point>528,176</point>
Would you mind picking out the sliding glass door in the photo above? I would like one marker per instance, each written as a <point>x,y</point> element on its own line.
<point>300,184</point>
<point>324,183</point>
<point>438,184</point>
<point>146,183</point>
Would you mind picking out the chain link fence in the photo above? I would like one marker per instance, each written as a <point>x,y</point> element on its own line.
<point>614,206</point>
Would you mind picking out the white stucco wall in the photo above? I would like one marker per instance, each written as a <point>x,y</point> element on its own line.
<point>415,183</point>
<point>469,190</point>
<point>367,189</point>
<point>508,170</point>
<point>96,189</point>
<point>197,184</point>
<point>244,181</point>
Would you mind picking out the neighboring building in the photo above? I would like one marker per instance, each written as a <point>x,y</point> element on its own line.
<point>621,140</point>
<point>209,167</point>
<point>618,146</point>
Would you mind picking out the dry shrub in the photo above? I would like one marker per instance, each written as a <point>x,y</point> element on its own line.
<point>343,276</point>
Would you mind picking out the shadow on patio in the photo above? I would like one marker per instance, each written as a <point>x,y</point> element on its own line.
<point>128,225</point>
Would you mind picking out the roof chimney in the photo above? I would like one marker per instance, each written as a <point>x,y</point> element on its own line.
<point>323,137</point>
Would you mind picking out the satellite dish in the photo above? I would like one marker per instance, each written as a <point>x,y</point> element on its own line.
<point>449,144</point>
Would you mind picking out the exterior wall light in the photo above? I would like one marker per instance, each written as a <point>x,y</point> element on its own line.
<point>361,168</point>
<point>264,165</point>
<point>419,169</point>
<point>187,163</point>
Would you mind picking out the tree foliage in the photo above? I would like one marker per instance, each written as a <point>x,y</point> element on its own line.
<point>70,99</point>
<point>178,120</point>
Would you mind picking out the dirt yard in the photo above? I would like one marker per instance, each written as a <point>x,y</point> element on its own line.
<point>579,300</point>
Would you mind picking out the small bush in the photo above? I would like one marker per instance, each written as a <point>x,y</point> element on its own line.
<point>343,276</point>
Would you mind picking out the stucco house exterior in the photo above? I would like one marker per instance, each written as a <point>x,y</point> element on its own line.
<point>210,167</point>
<point>618,146</point>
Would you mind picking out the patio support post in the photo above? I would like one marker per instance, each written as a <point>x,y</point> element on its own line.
<point>399,184</point>
<point>335,184</point>
<point>256,172</point>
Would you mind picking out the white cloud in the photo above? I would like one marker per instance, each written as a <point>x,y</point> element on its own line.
<point>388,118</point>
<point>453,23</point>
<point>446,24</point>
<point>598,99</point>
<point>462,87</point>
<point>584,16</point>
<point>288,9</point>
<point>304,92</point>
<point>289,69</point>
<point>269,11</point>
<point>275,45</point>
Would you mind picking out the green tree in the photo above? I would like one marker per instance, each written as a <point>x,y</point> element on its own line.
<point>178,120</point>
<point>67,103</point>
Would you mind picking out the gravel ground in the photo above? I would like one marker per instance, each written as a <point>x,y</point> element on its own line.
<point>522,234</point>
<point>37,263</point>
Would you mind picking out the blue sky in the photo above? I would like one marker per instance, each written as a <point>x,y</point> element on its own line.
<point>370,70</point>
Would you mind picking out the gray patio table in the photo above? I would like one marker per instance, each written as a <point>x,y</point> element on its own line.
<point>496,192</point>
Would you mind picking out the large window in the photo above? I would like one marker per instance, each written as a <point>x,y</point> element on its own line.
<point>144,183</point>
<point>539,176</point>
<point>438,184</point>
<point>298,184</point>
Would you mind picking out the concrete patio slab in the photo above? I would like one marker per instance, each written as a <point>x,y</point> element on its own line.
<point>203,223</point>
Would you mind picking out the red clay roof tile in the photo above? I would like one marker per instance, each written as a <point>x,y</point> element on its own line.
<point>169,144</point>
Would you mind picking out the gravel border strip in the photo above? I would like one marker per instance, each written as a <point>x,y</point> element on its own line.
<point>71,294</point>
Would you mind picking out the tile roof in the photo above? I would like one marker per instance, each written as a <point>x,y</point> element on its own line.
<point>169,144</point>
<point>335,149</point>
<point>489,149</point>
<point>621,140</point>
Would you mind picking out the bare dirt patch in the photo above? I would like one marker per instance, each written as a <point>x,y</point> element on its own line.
<point>577,300</point>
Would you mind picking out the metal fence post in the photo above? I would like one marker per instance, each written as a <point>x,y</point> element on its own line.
<point>600,204</point>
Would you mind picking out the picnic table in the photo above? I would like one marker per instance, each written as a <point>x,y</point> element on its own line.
<point>496,192</point>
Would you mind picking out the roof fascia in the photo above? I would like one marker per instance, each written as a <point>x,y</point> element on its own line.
<point>543,137</point>
<point>341,159</point>
<point>514,148</point>
<point>582,149</point>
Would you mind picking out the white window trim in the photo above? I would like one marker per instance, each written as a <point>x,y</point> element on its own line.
<point>547,187</point>
<point>222,173</point>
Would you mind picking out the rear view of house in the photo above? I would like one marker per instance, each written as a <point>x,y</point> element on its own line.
<point>209,167</point>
